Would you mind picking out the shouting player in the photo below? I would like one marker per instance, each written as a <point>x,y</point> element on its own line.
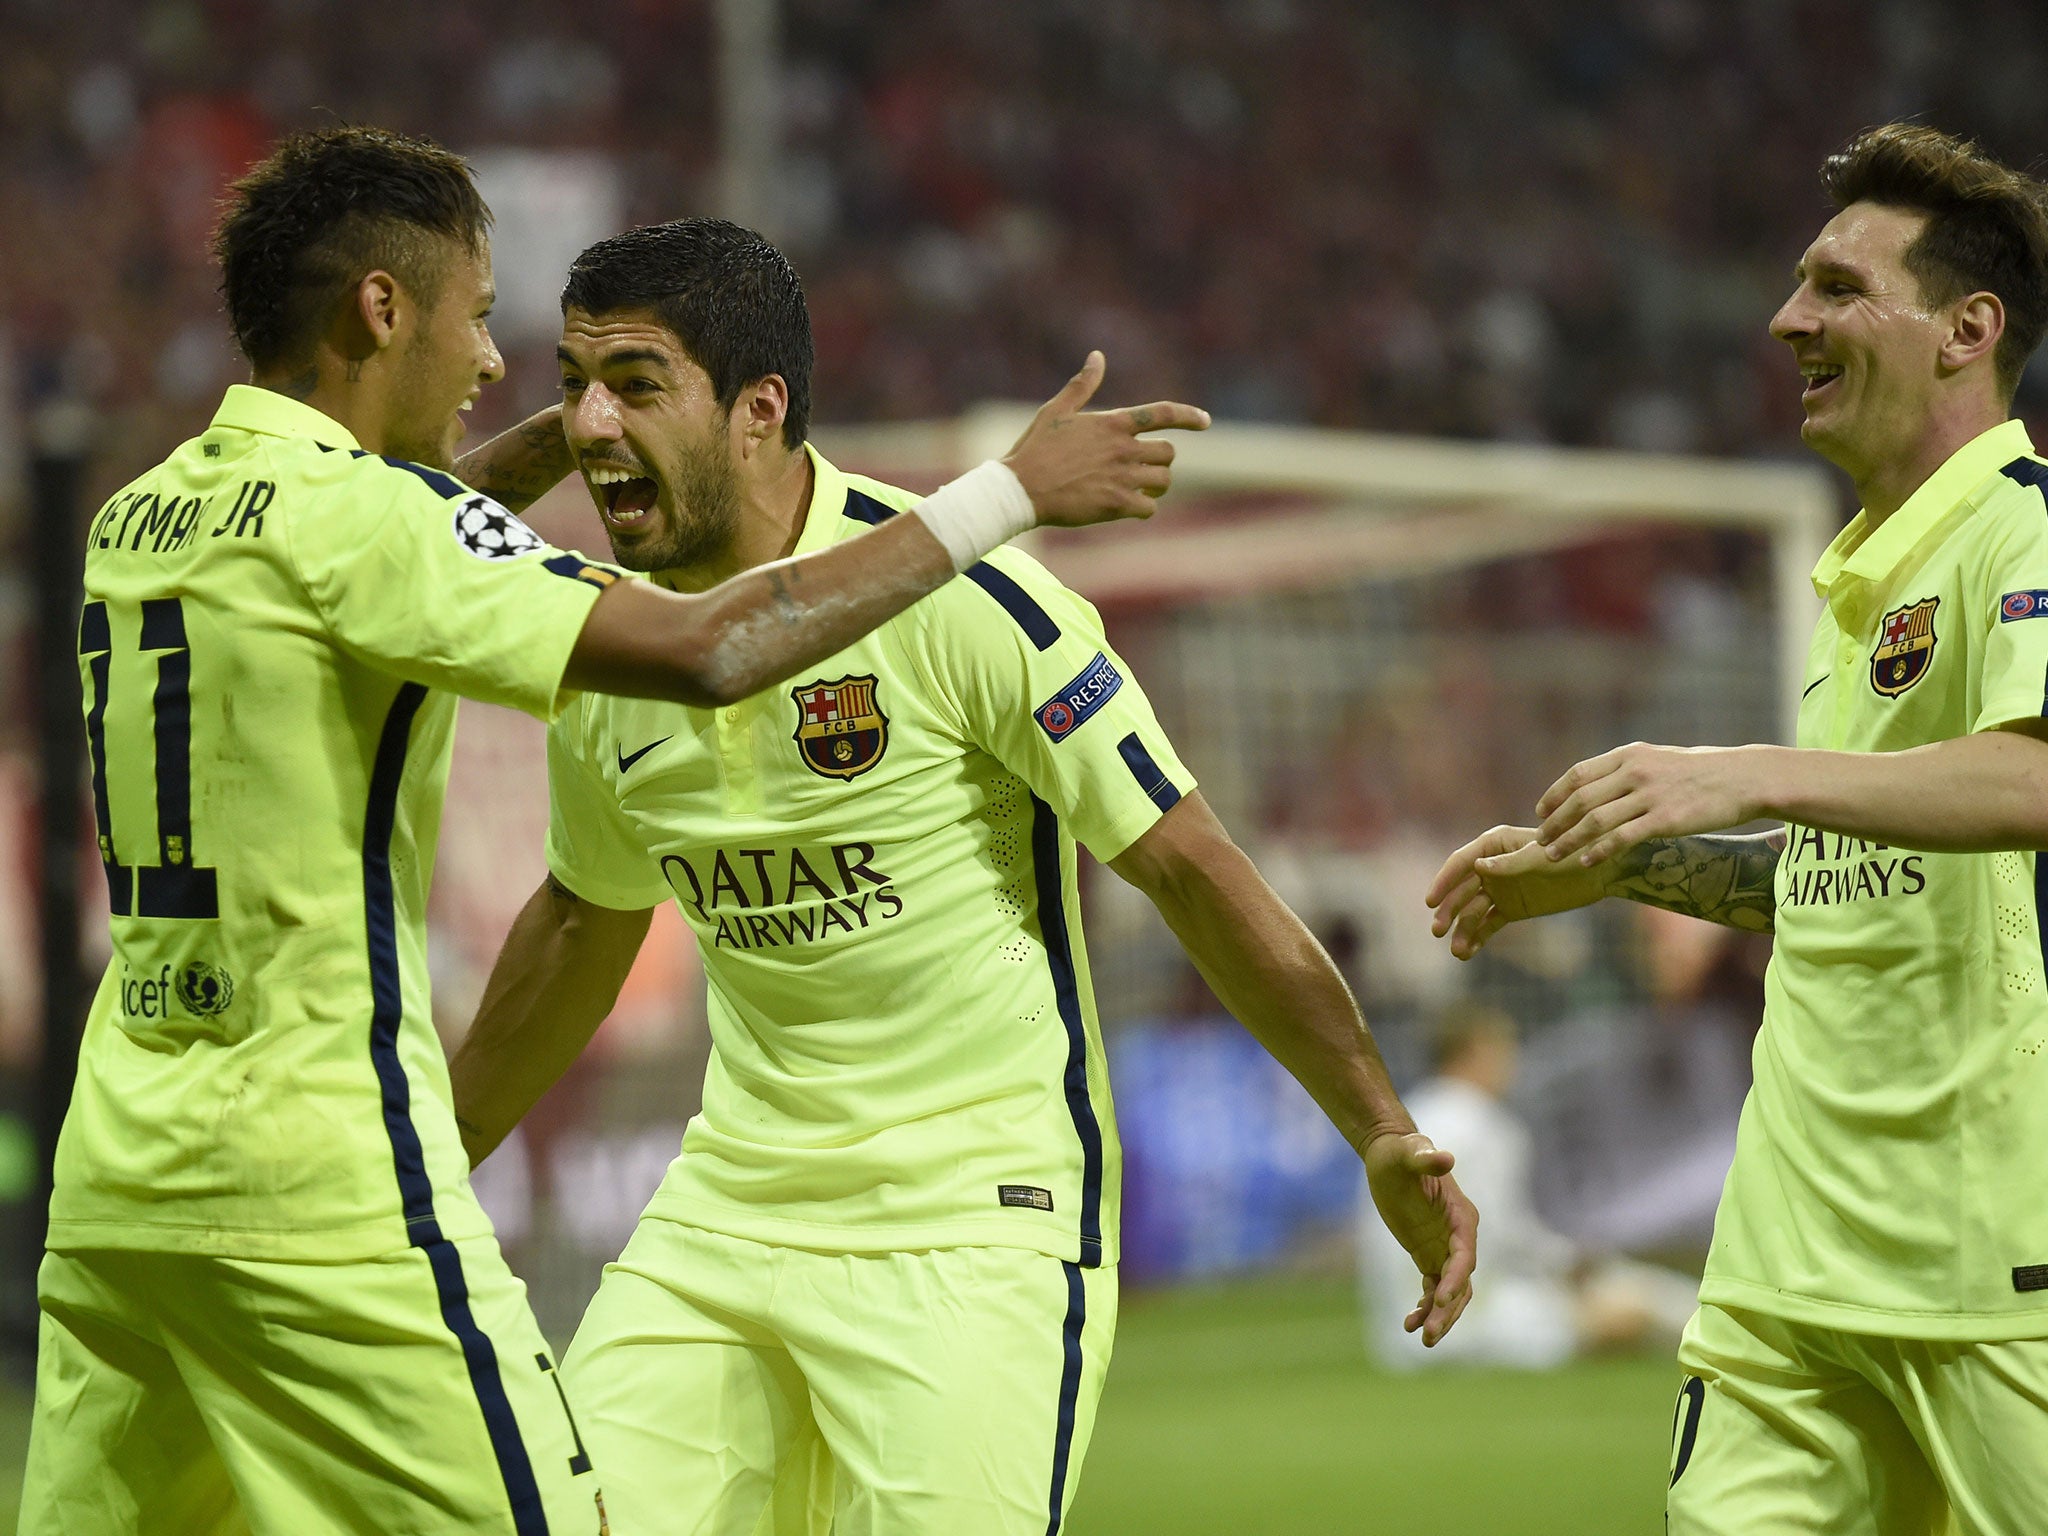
<point>879,1284</point>
<point>1870,1355</point>
<point>271,1300</point>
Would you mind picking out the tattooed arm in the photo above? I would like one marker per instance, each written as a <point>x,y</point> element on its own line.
<point>521,464</point>
<point>1726,878</point>
<point>1506,875</point>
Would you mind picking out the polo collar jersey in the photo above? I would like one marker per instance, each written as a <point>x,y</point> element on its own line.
<point>275,627</point>
<point>1889,1166</point>
<point>878,862</point>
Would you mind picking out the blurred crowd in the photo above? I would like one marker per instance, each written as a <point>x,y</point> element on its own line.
<point>1540,219</point>
<point>1545,220</point>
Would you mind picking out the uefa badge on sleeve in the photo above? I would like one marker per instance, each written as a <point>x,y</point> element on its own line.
<point>840,729</point>
<point>489,532</point>
<point>1905,645</point>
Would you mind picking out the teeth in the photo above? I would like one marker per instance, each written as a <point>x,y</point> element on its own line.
<point>1819,371</point>
<point>467,404</point>
<point>606,476</point>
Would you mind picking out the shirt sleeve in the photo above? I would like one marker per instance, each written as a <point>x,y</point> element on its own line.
<point>2010,623</point>
<point>593,848</point>
<point>1037,687</point>
<point>419,576</point>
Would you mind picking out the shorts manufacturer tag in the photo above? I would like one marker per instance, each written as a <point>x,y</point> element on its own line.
<point>1033,1198</point>
<point>1068,710</point>
<point>2030,1277</point>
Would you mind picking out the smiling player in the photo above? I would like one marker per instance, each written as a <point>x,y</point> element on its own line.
<point>879,1284</point>
<point>271,1301</point>
<point>1870,1356</point>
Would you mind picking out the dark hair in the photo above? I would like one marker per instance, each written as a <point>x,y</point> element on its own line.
<point>1987,224</point>
<point>731,298</point>
<point>324,208</point>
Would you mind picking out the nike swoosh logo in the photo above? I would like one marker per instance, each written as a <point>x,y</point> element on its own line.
<point>625,762</point>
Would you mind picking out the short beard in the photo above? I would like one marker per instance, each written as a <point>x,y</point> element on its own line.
<point>707,500</point>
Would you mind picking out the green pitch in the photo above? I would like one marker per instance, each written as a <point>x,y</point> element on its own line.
<point>1251,1408</point>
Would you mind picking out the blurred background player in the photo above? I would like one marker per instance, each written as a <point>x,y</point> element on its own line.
<point>1545,1298</point>
<point>878,1286</point>
<point>270,1296</point>
<point>1871,1350</point>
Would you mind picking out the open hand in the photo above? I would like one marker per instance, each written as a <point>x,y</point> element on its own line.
<point>1081,467</point>
<point>1503,876</point>
<point>1606,805</point>
<point>1411,1184</point>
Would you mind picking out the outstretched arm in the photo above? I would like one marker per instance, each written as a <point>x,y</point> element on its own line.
<point>1269,971</point>
<point>1643,822</point>
<point>1505,876</point>
<point>555,979</point>
<point>1074,467</point>
<point>1980,793</point>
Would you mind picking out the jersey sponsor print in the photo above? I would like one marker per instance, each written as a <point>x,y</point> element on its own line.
<point>1886,1172</point>
<point>878,861</point>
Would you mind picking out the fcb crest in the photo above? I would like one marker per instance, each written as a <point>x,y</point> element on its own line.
<point>1905,645</point>
<point>840,729</point>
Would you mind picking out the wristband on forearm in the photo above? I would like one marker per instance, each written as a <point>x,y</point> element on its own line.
<point>981,511</point>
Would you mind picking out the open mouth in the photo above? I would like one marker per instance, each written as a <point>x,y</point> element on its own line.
<point>623,497</point>
<point>1819,377</point>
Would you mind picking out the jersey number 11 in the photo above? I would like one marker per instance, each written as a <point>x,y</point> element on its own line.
<point>175,886</point>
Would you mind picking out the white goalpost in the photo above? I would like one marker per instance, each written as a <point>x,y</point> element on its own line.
<point>1262,509</point>
<point>1366,648</point>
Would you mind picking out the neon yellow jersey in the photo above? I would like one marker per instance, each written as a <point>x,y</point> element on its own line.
<point>878,863</point>
<point>1889,1167</point>
<point>275,627</point>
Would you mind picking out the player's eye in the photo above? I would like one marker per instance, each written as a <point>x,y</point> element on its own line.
<point>570,383</point>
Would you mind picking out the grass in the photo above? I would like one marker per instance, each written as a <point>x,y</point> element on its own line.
<point>1250,1410</point>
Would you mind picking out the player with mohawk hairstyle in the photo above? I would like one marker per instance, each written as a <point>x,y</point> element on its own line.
<point>271,1301</point>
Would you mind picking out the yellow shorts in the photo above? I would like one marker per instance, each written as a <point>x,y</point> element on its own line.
<point>1792,1430</point>
<point>182,1394</point>
<point>733,1388</point>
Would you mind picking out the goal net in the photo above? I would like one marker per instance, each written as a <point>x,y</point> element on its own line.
<point>1367,649</point>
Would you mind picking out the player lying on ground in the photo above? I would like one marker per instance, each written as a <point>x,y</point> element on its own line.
<point>879,1284</point>
<point>270,1297</point>
<point>1871,1350</point>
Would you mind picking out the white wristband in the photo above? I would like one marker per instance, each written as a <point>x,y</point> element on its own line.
<point>982,510</point>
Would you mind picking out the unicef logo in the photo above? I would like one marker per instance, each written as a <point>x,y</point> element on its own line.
<point>489,532</point>
<point>205,989</point>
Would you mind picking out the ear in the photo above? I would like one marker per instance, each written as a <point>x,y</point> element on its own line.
<point>759,412</point>
<point>1976,323</point>
<point>381,306</point>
